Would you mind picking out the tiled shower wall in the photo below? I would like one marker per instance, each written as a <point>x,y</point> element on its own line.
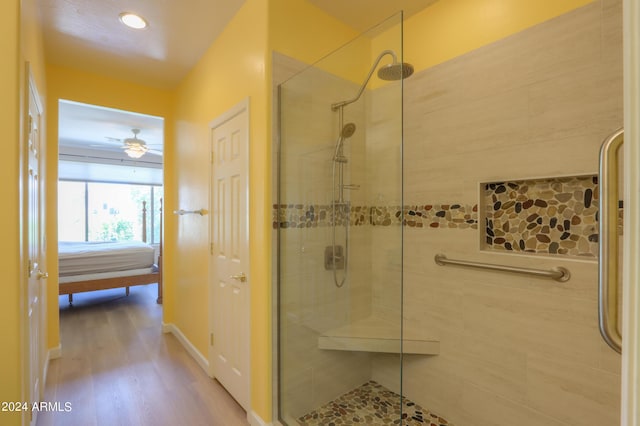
<point>515,350</point>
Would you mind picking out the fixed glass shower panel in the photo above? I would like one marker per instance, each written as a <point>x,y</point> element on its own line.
<point>339,227</point>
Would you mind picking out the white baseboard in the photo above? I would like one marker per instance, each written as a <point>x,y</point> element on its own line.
<point>255,420</point>
<point>202,361</point>
<point>55,353</point>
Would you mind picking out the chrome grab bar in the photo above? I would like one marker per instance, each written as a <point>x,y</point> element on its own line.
<point>608,251</point>
<point>559,273</point>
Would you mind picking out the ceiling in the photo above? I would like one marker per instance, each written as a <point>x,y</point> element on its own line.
<point>88,132</point>
<point>364,14</point>
<point>87,34</point>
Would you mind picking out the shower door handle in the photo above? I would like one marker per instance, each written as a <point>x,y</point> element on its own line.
<point>608,308</point>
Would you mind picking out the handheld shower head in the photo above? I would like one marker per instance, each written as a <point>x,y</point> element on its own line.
<point>348,130</point>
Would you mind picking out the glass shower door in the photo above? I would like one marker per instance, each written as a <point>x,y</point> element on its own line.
<point>339,227</point>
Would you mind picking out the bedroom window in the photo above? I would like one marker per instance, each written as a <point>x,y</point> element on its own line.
<point>90,211</point>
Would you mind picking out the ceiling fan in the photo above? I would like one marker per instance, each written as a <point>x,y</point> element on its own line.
<point>134,147</point>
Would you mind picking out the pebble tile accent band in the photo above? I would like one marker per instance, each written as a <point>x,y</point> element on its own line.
<point>371,404</point>
<point>441,216</point>
<point>556,216</point>
<point>318,215</point>
<point>414,216</point>
<point>551,216</point>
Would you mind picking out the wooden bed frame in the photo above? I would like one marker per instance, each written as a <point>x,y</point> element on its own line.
<point>128,281</point>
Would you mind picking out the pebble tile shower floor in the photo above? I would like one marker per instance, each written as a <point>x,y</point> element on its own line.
<point>371,404</point>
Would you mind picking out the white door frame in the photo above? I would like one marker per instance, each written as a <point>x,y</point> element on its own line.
<point>239,108</point>
<point>630,412</point>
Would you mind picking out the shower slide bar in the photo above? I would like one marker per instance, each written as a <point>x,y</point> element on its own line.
<point>559,273</point>
<point>608,265</point>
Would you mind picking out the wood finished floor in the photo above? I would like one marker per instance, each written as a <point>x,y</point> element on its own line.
<point>118,368</point>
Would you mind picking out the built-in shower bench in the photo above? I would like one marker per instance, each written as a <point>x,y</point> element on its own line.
<point>377,335</point>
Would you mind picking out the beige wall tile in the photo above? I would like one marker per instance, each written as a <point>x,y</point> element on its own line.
<point>612,32</point>
<point>536,54</point>
<point>579,103</point>
<point>438,378</point>
<point>479,407</point>
<point>555,384</point>
<point>537,104</point>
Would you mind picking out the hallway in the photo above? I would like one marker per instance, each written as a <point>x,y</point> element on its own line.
<point>118,368</point>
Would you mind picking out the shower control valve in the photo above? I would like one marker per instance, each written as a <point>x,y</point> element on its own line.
<point>333,258</point>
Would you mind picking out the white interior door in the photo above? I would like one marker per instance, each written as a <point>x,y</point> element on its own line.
<point>230,283</point>
<point>36,287</point>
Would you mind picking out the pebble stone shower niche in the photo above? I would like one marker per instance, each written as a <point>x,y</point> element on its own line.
<point>340,263</point>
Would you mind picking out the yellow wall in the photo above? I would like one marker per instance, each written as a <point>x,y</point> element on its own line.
<point>21,42</point>
<point>232,69</point>
<point>450,28</point>
<point>453,27</point>
<point>80,86</point>
<point>303,31</point>
<point>32,48</point>
<point>10,379</point>
<point>209,90</point>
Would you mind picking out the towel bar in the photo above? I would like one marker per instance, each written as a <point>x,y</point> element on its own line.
<point>181,212</point>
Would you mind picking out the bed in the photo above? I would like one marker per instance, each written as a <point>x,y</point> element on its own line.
<point>90,266</point>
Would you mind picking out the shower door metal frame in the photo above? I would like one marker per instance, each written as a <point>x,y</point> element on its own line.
<point>275,287</point>
<point>630,410</point>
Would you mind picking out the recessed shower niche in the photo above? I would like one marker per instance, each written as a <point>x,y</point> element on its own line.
<point>553,216</point>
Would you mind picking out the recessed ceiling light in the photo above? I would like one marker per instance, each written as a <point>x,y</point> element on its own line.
<point>132,20</point>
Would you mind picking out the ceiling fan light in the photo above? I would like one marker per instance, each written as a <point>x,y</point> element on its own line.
<point>136,151</point>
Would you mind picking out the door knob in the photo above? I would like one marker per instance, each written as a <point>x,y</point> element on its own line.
<point>42,275</point>
<point>240,277</point>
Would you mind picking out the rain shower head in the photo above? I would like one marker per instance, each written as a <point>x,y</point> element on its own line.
<point>395,71</point>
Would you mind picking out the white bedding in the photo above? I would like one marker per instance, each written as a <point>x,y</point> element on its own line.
<point>81,258</point>
<point>103,275</point>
